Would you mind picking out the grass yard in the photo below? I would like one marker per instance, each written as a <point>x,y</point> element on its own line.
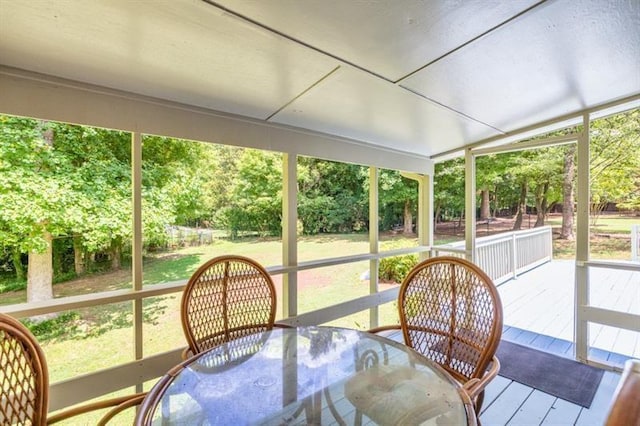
<point>610,237</point>
<point>110,326</point>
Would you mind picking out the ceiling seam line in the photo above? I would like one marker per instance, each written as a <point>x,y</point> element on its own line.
<point>295,40</point>
<point>556,120</point>
<point>466,43</point>
<point>451,109</point>
<point>345,62</point>
<point>305,91</point>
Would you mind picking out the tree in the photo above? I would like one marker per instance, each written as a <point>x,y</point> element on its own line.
<point>66,181</point>
<point>492,174</point>
<point>568,177</point>
<point>332,196</point>
<point>448,189</point>
<point>256,195</point>
<point>37,198</point>
<point>398,195</point>
<point>614,163</point>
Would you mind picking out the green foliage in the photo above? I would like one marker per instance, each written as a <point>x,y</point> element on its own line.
<point>255,196</point>
<point>332,196</point>
<point>75,182</point>
<point>7,285</point>
<point>397,196</point>
<point>448,189</point>
<point>615,162</point>
<point>395,268</point>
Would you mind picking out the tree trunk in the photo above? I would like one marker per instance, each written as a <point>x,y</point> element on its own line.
<point>408,218</point>
<point>40,275</point>
<point>566,232</point>
<point>16,258</point>
<point>116,252</point>
<point>40,265</point>
<point>522,205</point>
<point>541,205</point>
<point>484,204</point>
<point>78,255</point>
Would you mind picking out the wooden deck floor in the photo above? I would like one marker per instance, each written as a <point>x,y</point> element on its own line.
<point>538,312</point>
<point>511,403</point>
<point>541,301</point>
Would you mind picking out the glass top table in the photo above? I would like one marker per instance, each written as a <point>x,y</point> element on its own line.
<point>307,375</point>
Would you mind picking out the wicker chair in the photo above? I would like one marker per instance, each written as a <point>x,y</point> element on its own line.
<point>450,312</point>
<point>226,298</point>
<point>625,406</point>
<point>24,382</point>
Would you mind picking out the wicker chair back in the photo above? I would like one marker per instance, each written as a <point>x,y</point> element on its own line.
<point>226,298</point>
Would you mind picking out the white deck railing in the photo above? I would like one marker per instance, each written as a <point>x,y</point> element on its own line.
<point>505,256</point>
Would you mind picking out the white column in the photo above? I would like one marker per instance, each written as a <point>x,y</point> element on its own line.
<point>582,243</point>
<point>373,242</point>
<point>470,204</point>
<point>425,210</point>
<point>136,243</point>
<point>289,234</point>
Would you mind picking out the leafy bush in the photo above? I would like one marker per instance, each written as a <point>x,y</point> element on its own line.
<point>12,284</point>
<point>395,268</point>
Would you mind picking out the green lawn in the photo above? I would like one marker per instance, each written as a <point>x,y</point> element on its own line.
<point>604,224</point>
<point>110,326</point>
<point>610,238</point>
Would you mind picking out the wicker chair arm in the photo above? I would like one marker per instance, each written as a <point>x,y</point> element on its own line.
<point>119,404</point>
<point>475,386</point>
<point>382,328</point>
<point>131,402</point>
<point>186,353</point>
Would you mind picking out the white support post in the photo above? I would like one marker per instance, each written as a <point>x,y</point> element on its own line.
<point>425,213</point>
<point>425,210</point>
<point>581,326</point>
<point>373,242</point>
<point>470,205</point>
<point>136,244</point>
<point>514,255</point>
<point>289,234</point>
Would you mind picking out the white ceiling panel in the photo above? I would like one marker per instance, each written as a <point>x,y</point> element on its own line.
<point>184,51</point>
<point>561,57</point>
<point>389,38</point>
<point>366,108</point>
<point>418,76</point>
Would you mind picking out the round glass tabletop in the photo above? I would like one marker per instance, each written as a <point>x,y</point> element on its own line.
<point>309,375</point>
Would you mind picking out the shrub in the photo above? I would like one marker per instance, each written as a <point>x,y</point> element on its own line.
<point>395,268</point>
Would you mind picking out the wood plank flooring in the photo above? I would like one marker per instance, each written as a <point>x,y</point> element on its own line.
<point>512,403</point>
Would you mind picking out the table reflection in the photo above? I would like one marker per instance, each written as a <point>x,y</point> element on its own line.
<point>308,375</point>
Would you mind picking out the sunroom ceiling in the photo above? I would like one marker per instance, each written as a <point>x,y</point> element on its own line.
<point>417,76</point>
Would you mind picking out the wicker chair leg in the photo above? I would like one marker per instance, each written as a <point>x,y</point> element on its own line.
<point>478,402</point>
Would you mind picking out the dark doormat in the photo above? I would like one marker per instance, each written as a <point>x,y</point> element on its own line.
<point>560,377</point>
